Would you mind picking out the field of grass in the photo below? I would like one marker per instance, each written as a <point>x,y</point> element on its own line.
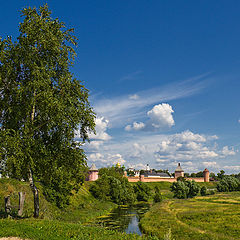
<point>73,222</point>
<point>56,230</point>
<point>215,217</point>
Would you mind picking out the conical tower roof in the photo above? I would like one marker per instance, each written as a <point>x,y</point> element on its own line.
<point>93,168</point>
<point>179,168</point>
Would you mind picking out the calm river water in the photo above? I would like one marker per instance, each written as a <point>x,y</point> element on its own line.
<point>124,218</point>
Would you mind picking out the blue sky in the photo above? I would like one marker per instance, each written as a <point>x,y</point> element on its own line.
<point>164,79</point>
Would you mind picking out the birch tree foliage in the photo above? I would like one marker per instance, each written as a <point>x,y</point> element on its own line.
<point>42,104</point>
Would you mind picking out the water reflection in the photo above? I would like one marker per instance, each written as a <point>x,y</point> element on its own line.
<point>124,218</point>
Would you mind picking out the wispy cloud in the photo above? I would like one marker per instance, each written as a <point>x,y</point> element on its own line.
<point>122,109</point>
<point>130,76</point>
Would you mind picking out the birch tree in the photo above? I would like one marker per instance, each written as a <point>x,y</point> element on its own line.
<point>42,105</point>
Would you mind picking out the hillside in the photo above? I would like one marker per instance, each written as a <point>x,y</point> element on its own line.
<point>83,206</point>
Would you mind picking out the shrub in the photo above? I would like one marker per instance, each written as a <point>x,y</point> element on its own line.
<point>211,192</point>
<point>142,191</point>
<point>113,189</point>
<point>194,188</point>
<point>185,189</point>
<point>228,184</point>
<point>180,189</point>
<point>158,196</point>
<point>203,191</point>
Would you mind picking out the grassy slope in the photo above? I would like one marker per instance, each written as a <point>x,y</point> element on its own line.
<point>56,230</point>
<point>69,223</point>
<point>83,206</point>
<point>12,187</point>
<point>212,217</point>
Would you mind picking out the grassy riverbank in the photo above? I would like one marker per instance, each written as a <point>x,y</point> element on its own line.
<point>58,230</point>
<point>215,217</point>
<point>55,224</point>
<point>74,221</point>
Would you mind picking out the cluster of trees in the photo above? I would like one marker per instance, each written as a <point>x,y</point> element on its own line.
<point>228,184</point>
<point>113,186</point>
<point>193,175</point>
<point>185,189</point>
<point>188,189</point>
<point>42,106</point>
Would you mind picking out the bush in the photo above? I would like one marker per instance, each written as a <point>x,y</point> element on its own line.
<point>110,188</point>
<point>194,188</point>
<point>180,189</point>
<point>185,189</point>
<point>228,184</point>
<point>142,191</point>
<point>203,191</point>
<point>211,192</point>
<point>158,196</point>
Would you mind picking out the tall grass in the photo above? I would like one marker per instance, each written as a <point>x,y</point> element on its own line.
<point>211,217</point>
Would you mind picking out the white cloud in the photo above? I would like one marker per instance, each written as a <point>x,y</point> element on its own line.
<point>101,127</point>
<point>138,150</point>
<point>194,151</point>
<point>161,116</point>
<point>136,126</point>
<point>94,145</point>
<point>210,164</point>
<point>232,168</point>
<point>104,160</point>
<point>133,97</point>
<point>138,166</point>
<point>226,151</point>
<point>183,147</point>
<point>96,157</point>
<point>188,136</point>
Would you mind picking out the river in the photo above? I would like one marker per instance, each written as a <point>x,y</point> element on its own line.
<point>124,218</point>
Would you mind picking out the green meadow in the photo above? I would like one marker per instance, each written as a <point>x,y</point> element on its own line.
<point>210,217</point>
<point>73,222</point>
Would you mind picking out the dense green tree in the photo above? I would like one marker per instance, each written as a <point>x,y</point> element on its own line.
<point>157,196</point>
<point>42,106</point>
<point>213,176</point>
<point>110,188</point>
<point>187,175</point>
<point>193,175</point>
<point>194,188</point>
<point>228,184</point>
<point>199,174</point>
<point>185,189</point>
<point>142,191</point>
<point>180,189</point>
<point>130,173</point>
<point>221,175</point>
<point>183,179</point>
<point>113,171</point>
<point>203,191</point>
